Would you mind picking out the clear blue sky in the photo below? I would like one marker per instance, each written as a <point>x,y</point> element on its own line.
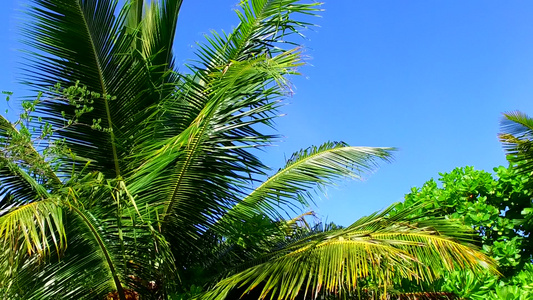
<point>429,77</point>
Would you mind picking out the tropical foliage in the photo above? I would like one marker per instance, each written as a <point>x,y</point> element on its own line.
<point>497,208</point>
<point>128,179</point>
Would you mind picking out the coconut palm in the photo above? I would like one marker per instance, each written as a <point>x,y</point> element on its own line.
<point>124,178</point>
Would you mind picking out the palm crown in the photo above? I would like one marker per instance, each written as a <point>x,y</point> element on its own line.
<point>138,175</point>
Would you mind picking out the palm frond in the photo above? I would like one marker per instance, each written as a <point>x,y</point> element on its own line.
<point>29,234</point>
<point>309,169</point>
<point>73,41</point>
<point>154,22</point>
<point>265,26</point>
<point>28,227</point>
<point>339,262</point>
<point>17,186</point>
<point>517,140</point>
<point>208,161</point>
<point>84,41</point>
<point>263,31</point>
<point>80,272</point>
<point>24,174</point>
<point>118,253</point>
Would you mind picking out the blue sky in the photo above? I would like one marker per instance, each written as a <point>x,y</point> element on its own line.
<point>429,77</point>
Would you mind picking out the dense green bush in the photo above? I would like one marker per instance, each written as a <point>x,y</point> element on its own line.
<point>495,207</point>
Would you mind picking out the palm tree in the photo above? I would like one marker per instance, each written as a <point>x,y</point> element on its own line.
<point>124,177</point>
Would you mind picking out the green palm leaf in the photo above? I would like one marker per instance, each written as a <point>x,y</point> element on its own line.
<point>17,186</point>
<point>517,139</point>
<point>80,272</point>
<point>28,227</point>
<point>114,255</point>
<point>205,156</point>
<point>378,249</point>
<point>84,41</point>
<point>154,24</point>
<point>74,40</point>
<point>23,171</point>
<point>306,170</point>
<point>29,216</point>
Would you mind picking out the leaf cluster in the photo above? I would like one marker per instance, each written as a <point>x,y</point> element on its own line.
<point>495,207</point>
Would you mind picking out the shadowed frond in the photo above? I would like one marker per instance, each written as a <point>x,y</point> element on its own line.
<point>17,186</point>
<point>85,41</point>
<point>74,41</point>
<point>24,174</point>
<point>196,174</point>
